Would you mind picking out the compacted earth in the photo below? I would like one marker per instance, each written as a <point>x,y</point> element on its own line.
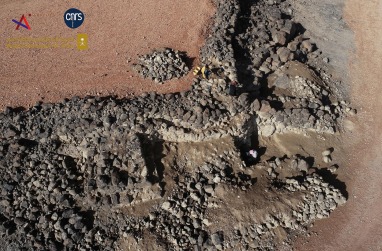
<point>172,171</point>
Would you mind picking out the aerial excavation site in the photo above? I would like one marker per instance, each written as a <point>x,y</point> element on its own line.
<point>141,125</point>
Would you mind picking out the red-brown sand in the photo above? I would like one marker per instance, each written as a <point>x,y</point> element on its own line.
<point>118,31</point>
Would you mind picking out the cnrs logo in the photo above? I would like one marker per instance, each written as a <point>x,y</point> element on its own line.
<point>74,18</point>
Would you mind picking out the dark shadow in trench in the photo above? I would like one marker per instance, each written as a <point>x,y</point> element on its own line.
<point>241,51</point>
<point>152,152</point>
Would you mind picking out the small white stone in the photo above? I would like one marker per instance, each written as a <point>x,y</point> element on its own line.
<point>326,152</point>
<point>166,205</point>
<point>327,159</point>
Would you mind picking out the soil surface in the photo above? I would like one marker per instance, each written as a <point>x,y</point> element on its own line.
<point>116,35</point>
<point>358,225</point>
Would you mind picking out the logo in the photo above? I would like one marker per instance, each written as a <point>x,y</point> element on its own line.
<point>82,42</point>
<point>74,18</point>
<point>20,23</point>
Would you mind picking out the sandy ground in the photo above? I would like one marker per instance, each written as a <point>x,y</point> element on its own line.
<point>117,32</point>
<point>358,225</point>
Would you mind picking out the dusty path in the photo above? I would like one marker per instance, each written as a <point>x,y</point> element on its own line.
<point>117,31</point>
<point>358,225</point>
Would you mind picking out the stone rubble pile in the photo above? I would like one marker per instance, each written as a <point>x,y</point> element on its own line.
<point>39,205</point>
<point>306,109</point>
<point>320,200</point>
<point>181,219</point>
<point>162,65</point>
<point>88,156</point>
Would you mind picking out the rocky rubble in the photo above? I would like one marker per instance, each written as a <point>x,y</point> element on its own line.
<point>88,156</point>
<point>72,172</point>
<point>162,65</point>
<point>218,48</point>
<point>182,215</point>
<point>305,103</point>
<point>321,200</point>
